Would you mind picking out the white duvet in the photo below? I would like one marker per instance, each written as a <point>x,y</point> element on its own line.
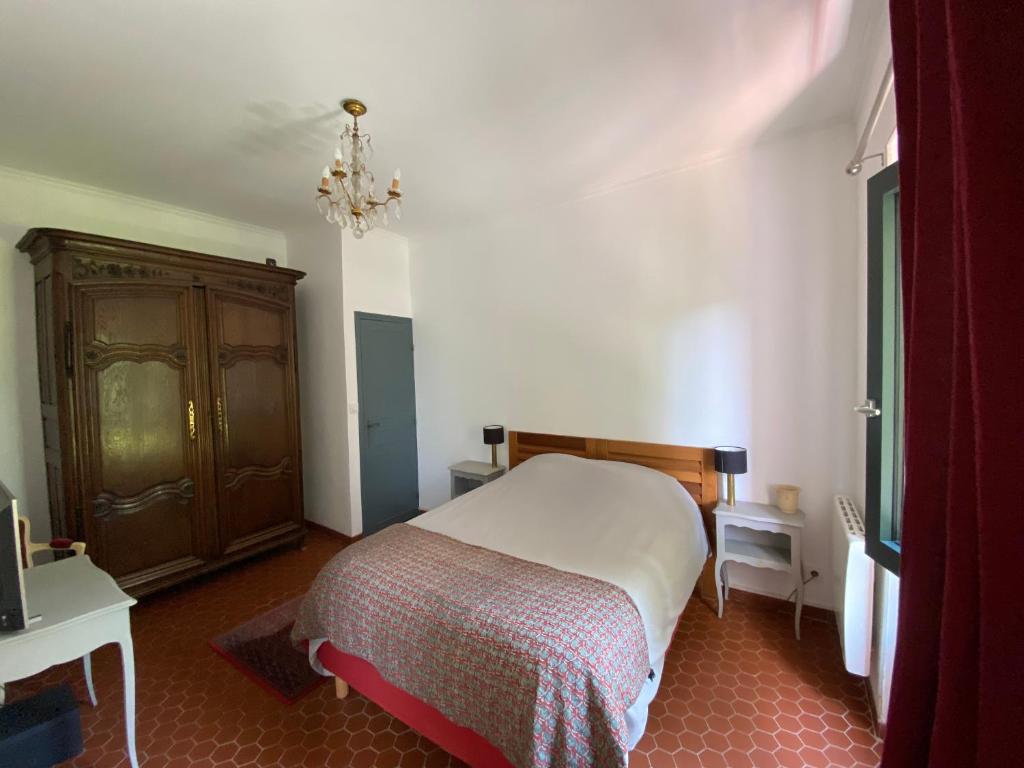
<point>628,525</point>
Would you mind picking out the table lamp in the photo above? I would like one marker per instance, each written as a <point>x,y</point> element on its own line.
<point>494,435</point>
<point>732,460</point>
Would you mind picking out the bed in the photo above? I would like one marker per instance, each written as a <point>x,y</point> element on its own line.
<point>525,623</point>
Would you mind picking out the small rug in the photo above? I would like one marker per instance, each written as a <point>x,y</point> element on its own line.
<point>262,649</point>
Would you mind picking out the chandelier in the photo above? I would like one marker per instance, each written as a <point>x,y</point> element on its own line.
<point>346,192</point>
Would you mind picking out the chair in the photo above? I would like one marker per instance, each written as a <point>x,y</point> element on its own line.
<point>29,549</point>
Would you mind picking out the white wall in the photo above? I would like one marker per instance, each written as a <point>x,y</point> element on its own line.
<point>28,200</point>
<point>376,279</point>
<point>317,251</point>
<point>712,306</point>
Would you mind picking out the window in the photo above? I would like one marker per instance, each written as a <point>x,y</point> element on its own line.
<point>884,482</point>
<point>892,148</point>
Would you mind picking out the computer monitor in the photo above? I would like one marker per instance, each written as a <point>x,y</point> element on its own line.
<point>13,612</point>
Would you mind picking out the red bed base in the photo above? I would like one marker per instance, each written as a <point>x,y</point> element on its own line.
<point>463,743</point>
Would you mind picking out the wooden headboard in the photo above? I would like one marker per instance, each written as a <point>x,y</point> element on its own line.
<point>694,468</point>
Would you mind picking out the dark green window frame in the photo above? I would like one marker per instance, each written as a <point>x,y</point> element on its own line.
<point>885,428</point>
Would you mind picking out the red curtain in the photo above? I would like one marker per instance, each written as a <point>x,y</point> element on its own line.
<point>958,685</point>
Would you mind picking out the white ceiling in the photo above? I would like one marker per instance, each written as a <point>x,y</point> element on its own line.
<point>230,106</point>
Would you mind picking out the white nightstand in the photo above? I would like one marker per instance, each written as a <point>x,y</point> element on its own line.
<point>763,536</point>
<point>467,475</point>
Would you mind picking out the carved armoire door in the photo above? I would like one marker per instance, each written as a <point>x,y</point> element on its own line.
<point>255,402</point>
<point>146,461</point>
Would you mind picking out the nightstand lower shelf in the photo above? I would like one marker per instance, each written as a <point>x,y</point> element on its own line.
<point>757,554</point>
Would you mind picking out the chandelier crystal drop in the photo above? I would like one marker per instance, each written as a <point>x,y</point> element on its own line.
<point>346,194</point>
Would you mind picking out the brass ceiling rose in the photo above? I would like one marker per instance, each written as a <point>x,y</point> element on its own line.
<point>354,107</point>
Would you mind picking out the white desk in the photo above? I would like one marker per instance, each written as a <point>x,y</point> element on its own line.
<point>762,536</point>
<point>81,608</point>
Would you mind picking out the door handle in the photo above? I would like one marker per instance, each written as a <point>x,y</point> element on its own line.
<point>191,420</point>
<point>372,424</point>
<point>868,409</point>
<point>220,415</point>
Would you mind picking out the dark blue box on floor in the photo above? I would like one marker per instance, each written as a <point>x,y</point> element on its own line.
<point>40,731</point>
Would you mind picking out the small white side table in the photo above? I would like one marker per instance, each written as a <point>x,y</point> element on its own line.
<point>763,536</point>
<point>81,608</point>
<point>467,475</point>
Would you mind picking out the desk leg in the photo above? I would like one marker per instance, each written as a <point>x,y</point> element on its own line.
<point>719,566</point>
<point>87,663</point>
<point>799,604</point>
<point>798,578</point>
<point>128,666</point>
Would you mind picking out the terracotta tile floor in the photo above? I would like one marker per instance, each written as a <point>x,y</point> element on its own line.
<point>737,692</point>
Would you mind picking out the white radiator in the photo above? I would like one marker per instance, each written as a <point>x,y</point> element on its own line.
<point>854,580</point>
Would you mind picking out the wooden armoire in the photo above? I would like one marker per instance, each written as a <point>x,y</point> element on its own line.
<point>170,404</point>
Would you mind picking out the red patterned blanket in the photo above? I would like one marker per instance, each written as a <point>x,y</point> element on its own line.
<point>540,662</point>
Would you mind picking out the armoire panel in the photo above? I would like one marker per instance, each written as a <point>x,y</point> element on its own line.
<point>256,425</point>
<point>244,324</point>
<point>138,549</point>
<point>141,318</point>
<point>142,423</point>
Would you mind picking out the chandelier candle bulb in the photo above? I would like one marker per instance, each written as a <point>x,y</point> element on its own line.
<point>395,181</point>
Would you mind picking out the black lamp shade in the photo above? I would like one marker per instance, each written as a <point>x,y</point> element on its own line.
<point>494,434</point>
<point>731,459</point>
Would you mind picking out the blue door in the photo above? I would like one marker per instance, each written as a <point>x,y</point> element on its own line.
<point>387,420</point>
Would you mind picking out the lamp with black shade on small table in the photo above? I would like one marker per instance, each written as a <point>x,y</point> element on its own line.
<point>467,475</point>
